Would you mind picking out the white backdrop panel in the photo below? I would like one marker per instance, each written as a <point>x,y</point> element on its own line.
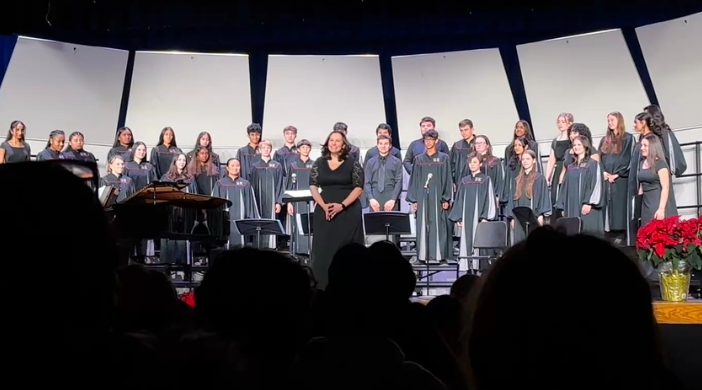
<point>314,92</point>
<point>191,93</point>
<point>673,54</point>
<point>588,75</point>
<point>451,87</point>
<point>55,85</point>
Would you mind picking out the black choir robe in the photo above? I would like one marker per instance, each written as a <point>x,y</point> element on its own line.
<point>301,169</point>
<point>616,193</point>
<point>459,159</point>
<point>372,152</point>
<point>434,241</point>
<point>673,154</point>
<point>355,153</point>
<point>162,157</point>
<point>283,155</point>
<point>475,202</point>
<point>268,182</point>
<point>632,187</point>
<point>539,203</point>
<point>48,154</point>
<point>416,148</point>
<point>390,167</point>
<point>177,251</point>
<point>247,156</point>
<point>512,169</point>
<point>79,155</point>
<point>240,193</point>
<point>206,181</point>
<point>496,170</point>
<point>142,174</point>
<point>119,150</point>
<point>124,184</point>
<point>583,185</point>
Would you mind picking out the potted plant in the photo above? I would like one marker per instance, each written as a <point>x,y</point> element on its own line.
<point>674,247</point>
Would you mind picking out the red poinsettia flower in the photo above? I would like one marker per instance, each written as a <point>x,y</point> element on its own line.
<point>188,298</point>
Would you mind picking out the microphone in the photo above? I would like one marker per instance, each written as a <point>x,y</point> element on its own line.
<point>429,176</point>
<point>294,178</point>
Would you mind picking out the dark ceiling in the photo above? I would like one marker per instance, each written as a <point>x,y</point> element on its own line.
<point>331,26</point>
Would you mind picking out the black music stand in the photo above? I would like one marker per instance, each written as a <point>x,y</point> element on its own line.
<point>295,197</point>
<point>526,218</point>
<point>387,223</point>
<point>259,227</point>
<point>307,226</point>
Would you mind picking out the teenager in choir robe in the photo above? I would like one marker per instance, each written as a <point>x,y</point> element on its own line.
<point>268,182</point>
<point>514,165</point>
<point>574,131</point>
<point>615,154</point>
<point>671,147</point>
<point>383,178</point>
<point>289,150</point>
<point>460,151</point>
<point>556,159</point>
<point>582,194</point>
<point>417,147</point>
<point>177,251</point>
<point>14,148</point>
<point>116,179</point>
<point>203,169</point>
<point>250,153</point>
<point>138,169</point>
<point>429,192</point>
<point>54,145</point>
<point>239,191</point>
<point>528,190</point>
<point>491,166</point>
<point>75,151</point>
<point>385,130</point>
<point>205,139</point>
<point>165,151</point>
<point>299,169</point>
<point>124,141</point>
<point>475,203</point>
<point>523,129</point>
<point>354,152</point>
<point>655,182</point>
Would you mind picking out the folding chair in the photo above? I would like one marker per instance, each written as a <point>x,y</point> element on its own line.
<point>489,236</point>
<point>569,225</point>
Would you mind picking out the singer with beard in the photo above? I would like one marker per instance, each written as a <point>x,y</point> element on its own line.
<point>429,192</point>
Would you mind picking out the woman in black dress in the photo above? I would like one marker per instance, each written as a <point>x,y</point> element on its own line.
<point>14,149</point>
<point>338,219</point>
<point>556,158</point>
<point>655,182</point>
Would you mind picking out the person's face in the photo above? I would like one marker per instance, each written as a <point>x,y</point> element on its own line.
<point>562,123</point>
<point>289,136</point>
<point>181,161</point>
<point>117,166</point>
<point>644,147</point>
<point>518,148</point>
<point>304,150</point>
<point>168,137</point>
<point>335,143</point>
<point>265,150</point>
<point>18,131</point>
<point>612,122</point>
<point>474,165</point>
<point>125,137</point>
<point>430,143</point>
<point>466,132</point>
<point>578,147</point>
<point>527,161</point>
<point>573,135</point>
<point>234,167</point>
<point>520,130</point>
<point>76,142</point>
<point>140,152</point>
<point>426,126</point>
<point>480,145</point>
<point>384,132</point>
<point>255,138</point>
<point>203,155</point>
<point>204,140</point>
<point>639,125</point>
<point>383,146</point>
<point>58,141</point>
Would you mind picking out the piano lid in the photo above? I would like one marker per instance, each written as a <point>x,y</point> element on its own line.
<point>170,193</point>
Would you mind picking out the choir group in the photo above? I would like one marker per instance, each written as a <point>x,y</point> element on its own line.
<point>614,188</point>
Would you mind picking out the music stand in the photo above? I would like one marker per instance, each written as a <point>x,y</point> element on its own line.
<point>387,223</point>
<point>259,227</point>
<point>526,218</point>
<point>295,197</point>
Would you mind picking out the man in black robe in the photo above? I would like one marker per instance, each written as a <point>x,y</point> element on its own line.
<point>417,147</point>
<point>460,151</point>
<point>289,150</point>
<point>355,152</point>
<point>383,130</point>
<point>383,179</point>
<point>299,170</point>
<point>249,153</point>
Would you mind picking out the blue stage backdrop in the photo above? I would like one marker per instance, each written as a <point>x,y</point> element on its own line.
<point>7,45</point>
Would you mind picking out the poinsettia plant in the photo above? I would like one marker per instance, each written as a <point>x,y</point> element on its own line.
<point>671,240</point>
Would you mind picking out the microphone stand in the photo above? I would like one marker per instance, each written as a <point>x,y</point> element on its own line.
<point>427,230</point>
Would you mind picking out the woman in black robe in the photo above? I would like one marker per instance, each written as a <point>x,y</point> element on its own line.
<point>54,145</point>
<point>116,179</point>
<point>529,189</point>
<point>138,169</point>
<point>75,151</point>
<point>205,172</point>
<point>165,151</point>
<point>177,251</point>
<point>556,159</point>
<point>522,129</point>
<point>14,148</point>
<point>124,141</point>
<point>582,194</point>
<point>338,218</point>
<point>655,182</point>
<point>514,165</point>
<point>615,149</point>
<point>491,166</point>
<point>671,146</point>
<point>239,191</point>
<point>205,139</point>
<point>574,131</point>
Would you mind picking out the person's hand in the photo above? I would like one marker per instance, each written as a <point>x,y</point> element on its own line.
<point>277,208</point>
<point>334,210</point>
<point>445,205</point>
<point>612,178</point>
<point>374,205</point>
<point>605,175</point>
<point>586,209</point>
<point>460,224</point>
<point>511,224</point>
<point>414,206</point>
<point>389,205</point>
<point>454,188</point>
<point>548,182</point>
<point>540,220</point>
<point>660,214</point>
<point>291,209</point>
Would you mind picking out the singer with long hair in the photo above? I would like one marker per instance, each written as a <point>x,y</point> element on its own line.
<point>54,145</point>
<point>14,149</point>
<point>655,181</point>
<point>529,189</point>
<point>671,146</point>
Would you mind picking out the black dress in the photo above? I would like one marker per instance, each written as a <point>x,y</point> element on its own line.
<point>559,148</point>
<point>347,226</point>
